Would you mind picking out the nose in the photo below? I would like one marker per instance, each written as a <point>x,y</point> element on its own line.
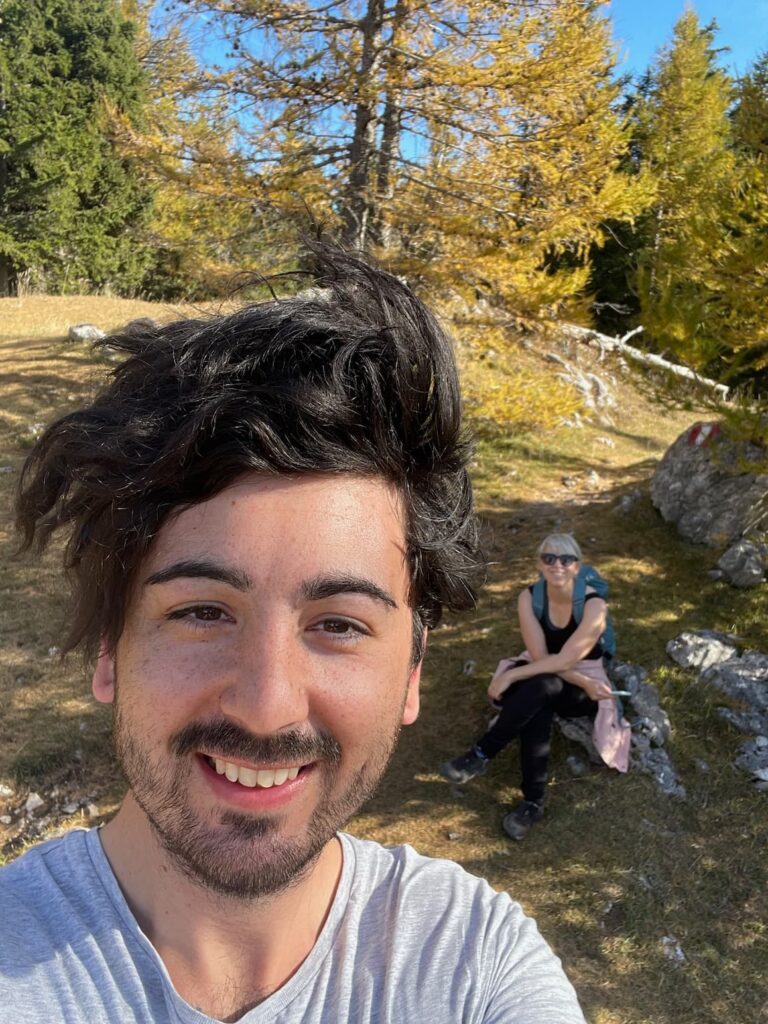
<point>267,690</point>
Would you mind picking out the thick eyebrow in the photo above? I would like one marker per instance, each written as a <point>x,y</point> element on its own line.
<point>193,569</point>
<point>340,583</point>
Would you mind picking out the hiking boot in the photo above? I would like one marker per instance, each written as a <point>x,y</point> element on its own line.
<point>467,766</point>
<point>518,823</point>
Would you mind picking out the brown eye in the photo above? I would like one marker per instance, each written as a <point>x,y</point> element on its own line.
<point>200,613</point>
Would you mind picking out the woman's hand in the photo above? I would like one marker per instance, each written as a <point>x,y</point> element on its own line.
<point>595,689</point>
<point>501,683</point>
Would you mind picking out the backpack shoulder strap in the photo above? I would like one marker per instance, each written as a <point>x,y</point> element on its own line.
<point>579,593</point>
<point>538,595</point>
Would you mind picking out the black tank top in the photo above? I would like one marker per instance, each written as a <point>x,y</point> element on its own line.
<point>556,636</point>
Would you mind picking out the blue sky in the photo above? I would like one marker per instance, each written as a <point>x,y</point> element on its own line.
<point>642,26</point>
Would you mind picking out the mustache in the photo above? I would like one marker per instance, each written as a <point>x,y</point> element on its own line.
<point>227,739</point>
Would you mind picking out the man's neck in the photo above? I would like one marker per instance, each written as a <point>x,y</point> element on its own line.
<point>223,954</point>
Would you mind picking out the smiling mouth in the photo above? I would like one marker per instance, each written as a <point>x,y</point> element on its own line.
<point>252,778</point>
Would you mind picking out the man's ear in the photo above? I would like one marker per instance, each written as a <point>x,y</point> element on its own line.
<point>103,683</point>
<point>411,706</point>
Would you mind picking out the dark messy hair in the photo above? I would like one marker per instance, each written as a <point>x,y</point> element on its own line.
<point>354,376</point>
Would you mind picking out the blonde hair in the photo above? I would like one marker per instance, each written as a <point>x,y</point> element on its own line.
<point>560,544</point>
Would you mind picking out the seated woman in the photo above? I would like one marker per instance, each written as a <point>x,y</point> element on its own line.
<point>560,672</point>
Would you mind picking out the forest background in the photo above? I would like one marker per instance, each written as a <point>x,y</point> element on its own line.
<point>489,151</point>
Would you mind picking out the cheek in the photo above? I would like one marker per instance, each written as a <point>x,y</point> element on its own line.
<point>167,675</point>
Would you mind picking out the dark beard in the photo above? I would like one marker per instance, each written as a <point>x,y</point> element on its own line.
<point>241,855</point>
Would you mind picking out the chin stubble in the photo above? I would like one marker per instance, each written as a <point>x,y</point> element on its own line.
<point>239,855</point>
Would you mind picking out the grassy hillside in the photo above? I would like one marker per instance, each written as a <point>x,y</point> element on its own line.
<point>615,867</point>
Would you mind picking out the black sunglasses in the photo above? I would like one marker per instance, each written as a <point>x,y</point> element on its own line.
<point>564,560</point>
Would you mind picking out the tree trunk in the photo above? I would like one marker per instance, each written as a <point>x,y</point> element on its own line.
<point>381,228</point>
<point>356,212</point>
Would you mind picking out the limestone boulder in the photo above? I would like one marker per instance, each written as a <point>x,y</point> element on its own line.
<point>706,486</point>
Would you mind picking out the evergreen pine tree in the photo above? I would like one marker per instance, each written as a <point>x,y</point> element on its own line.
<point>745,271</point>
<point>684,140</point>
<point>68,201</point>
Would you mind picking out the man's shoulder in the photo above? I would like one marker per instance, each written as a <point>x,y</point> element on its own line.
<point>37,887</point>
<point>388,873</point>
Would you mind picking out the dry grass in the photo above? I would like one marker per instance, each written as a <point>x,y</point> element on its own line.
<point>615,866</point>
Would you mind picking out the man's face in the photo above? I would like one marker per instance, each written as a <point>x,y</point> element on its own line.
<point>263,673</point>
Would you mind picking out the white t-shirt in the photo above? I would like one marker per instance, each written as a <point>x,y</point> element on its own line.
<point>408,939</point>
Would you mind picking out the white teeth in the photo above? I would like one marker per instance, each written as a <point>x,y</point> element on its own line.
<point>265,778</point>
<point>247,777</point>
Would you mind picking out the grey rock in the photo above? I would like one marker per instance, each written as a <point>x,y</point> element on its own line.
<point>7,469</point>
<point>85,332</point>
<point>33,803</point>
<point>627,501</point>
<point>627,676</point>
<point>568,481</point>
<point>580,731</point>
<point>656,763</point>
<point>704,489</point>
<point>592,478</point>
<point>747,721</point>
<point>576,766</point>
<point>672,949</point>
<point>71,808</point>
<point>469,668</point>
<point>744,678</point>
<point>700,649</point>
<point>753,758</point>
<point>5,792</point>
<point>5,819</point>
<point>743,564</point>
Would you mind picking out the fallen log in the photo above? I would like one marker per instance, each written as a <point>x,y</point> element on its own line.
<point>608,344</point>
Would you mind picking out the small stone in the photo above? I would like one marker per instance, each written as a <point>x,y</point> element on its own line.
<point>5,819</point>
<point>592,478</point>
<point>702,765</point>
<point>761,741</point>
<point>52,652</point>
<point>469,668</point>
<point>7,469</point>
<point>83,726</point>
<point>576,766</point>
<point>607,441</point>
<point>5,792</point>
<point>673,951</point>
<point>454,836</point>
<point>92,810</point>
<point>34,802</point>
<point>70,808</point>
<point>568,481</point>
<point>85,332</point>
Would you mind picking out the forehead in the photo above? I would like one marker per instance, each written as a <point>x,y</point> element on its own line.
<point>292,526</point>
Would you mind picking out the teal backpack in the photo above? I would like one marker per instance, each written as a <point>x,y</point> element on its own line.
<point>587,576</point>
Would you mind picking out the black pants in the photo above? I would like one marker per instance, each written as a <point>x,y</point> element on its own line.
<point>526,711</point>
